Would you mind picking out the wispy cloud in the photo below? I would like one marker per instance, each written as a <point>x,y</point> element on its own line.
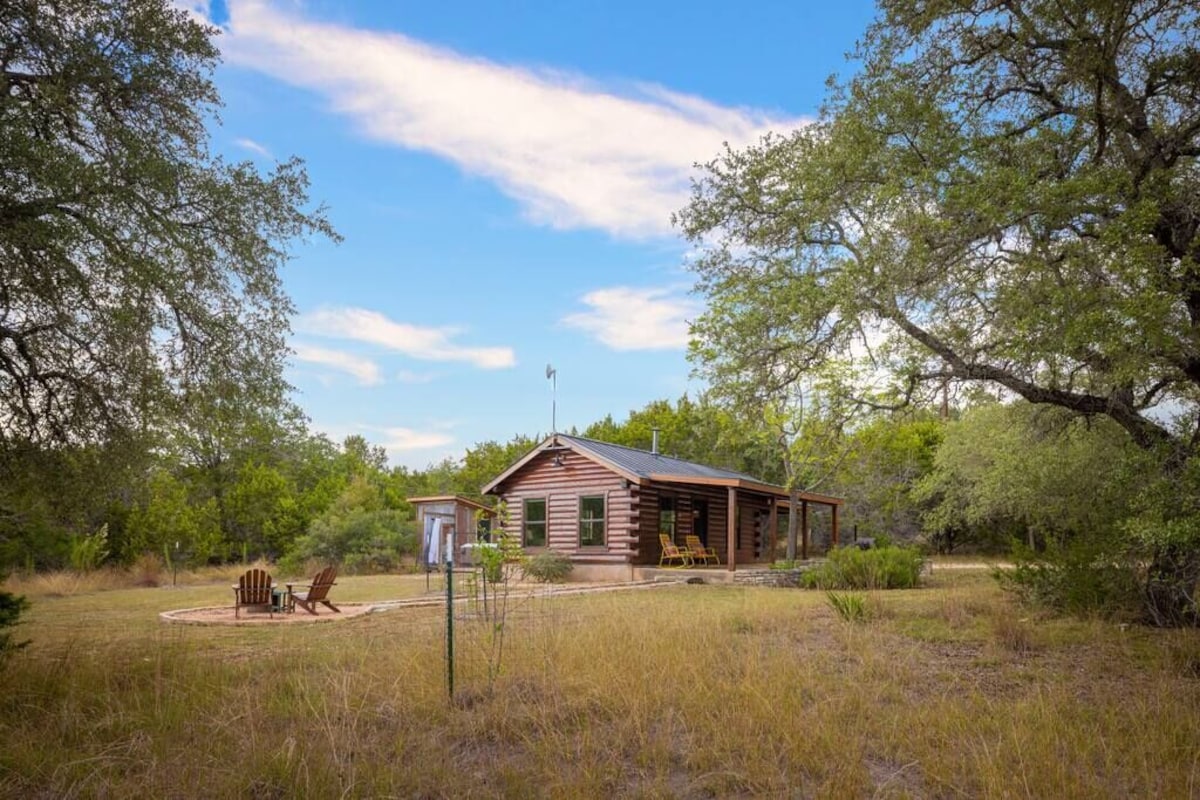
<point>365,370</point>
<point>428,344</point>
<point>626,318</point>
<point>572,153</point>
<point>253,147</point>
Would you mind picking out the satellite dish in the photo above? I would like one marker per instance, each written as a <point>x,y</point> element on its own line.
<point>549,371</point>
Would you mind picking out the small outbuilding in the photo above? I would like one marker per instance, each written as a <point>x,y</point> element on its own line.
<point>460,516</point>
<point>605,506</point>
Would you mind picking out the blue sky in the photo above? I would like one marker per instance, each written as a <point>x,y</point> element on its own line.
<point>504,176</point>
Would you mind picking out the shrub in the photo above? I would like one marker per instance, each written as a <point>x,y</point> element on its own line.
<point>849,606</point>
<point>362,541</point>
<point>548,567</point>
<point>878,568</point>
<point>11,607</point>
<point>1085,577</point>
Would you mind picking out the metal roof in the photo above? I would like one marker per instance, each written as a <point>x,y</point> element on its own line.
<point>644,463</point>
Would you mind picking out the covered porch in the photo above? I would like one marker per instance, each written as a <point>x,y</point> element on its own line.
<point>740,519</point>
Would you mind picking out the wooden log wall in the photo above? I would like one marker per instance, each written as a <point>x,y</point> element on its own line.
<point>561,487</point>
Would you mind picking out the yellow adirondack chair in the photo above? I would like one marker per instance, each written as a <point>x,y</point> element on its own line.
<point>699,551</point>
<point>673,552</point>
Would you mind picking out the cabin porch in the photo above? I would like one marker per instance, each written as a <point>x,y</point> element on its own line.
<point>744,522</point>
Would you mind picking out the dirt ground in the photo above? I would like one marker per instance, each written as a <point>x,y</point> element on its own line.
<point>223,615</point>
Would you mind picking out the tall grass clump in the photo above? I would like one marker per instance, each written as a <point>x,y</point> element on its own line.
<point>850,606</point>
<point>890,567</point>
<point>89,550</point>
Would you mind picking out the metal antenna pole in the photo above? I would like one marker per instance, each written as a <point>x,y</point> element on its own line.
<point>450,620</point>
<point>552,374</point>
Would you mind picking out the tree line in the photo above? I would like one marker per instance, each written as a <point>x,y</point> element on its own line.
<point>988,475</point>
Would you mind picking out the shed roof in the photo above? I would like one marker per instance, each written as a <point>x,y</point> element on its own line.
<point>450,498</point>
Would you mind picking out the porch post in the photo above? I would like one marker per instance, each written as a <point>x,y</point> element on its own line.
<point>804,530</point>
<point>835,525</point>
<point>731,530</point>
<point>773,522</point>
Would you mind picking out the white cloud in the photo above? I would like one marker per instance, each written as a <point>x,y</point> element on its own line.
<point>428,344</point>
<point>572,153</point>
<point>625,318</point>
<point>253,147</point>
<point>396,440</point>
<point>365,370</point>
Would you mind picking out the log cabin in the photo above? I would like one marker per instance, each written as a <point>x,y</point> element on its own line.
<point>605,505</point>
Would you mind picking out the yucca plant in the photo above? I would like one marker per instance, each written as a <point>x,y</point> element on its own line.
<point>850,606</point>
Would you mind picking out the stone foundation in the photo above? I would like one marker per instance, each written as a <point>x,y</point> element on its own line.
<point>601,573</point>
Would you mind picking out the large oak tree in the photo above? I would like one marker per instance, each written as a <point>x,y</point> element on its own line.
<point>1006,193</point>
<point>139,273</point>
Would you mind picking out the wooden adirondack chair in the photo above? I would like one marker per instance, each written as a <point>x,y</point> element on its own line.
<point>253,589</point>
<point>316,591</point>
<point>699,551</point>
<point>673,552</point>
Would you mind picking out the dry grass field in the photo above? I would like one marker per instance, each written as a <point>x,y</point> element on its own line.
<point>684,691</point>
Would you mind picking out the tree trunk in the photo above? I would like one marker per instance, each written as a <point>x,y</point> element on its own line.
<point>793,522</point>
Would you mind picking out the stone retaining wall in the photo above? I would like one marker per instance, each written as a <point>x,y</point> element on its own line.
<point>781,578</point>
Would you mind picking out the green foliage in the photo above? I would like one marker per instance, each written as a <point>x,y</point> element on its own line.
<point>261,509</point>
<point>1030,233</point>
<point>89,551</point>
<point>140,271</point>
<point>48,495</point>
<point>486,460</point>
<point>11,608</point>
<point>502,558</point>
<point>168,517</point>
<point>877,568</point>
<point>1164,537</point>
<point>963,226</point>
<point>887,458</point>
<point>850,606</point>
<point>1035,472</point>
<point>361,540</point>
<point>548,567</point>
<point>1086,577</point>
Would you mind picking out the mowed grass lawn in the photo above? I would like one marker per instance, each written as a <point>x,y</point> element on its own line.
<point>686,691</point>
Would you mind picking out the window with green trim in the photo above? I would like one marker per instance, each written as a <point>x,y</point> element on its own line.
<point>591,521</point>
<point>533,525</point>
